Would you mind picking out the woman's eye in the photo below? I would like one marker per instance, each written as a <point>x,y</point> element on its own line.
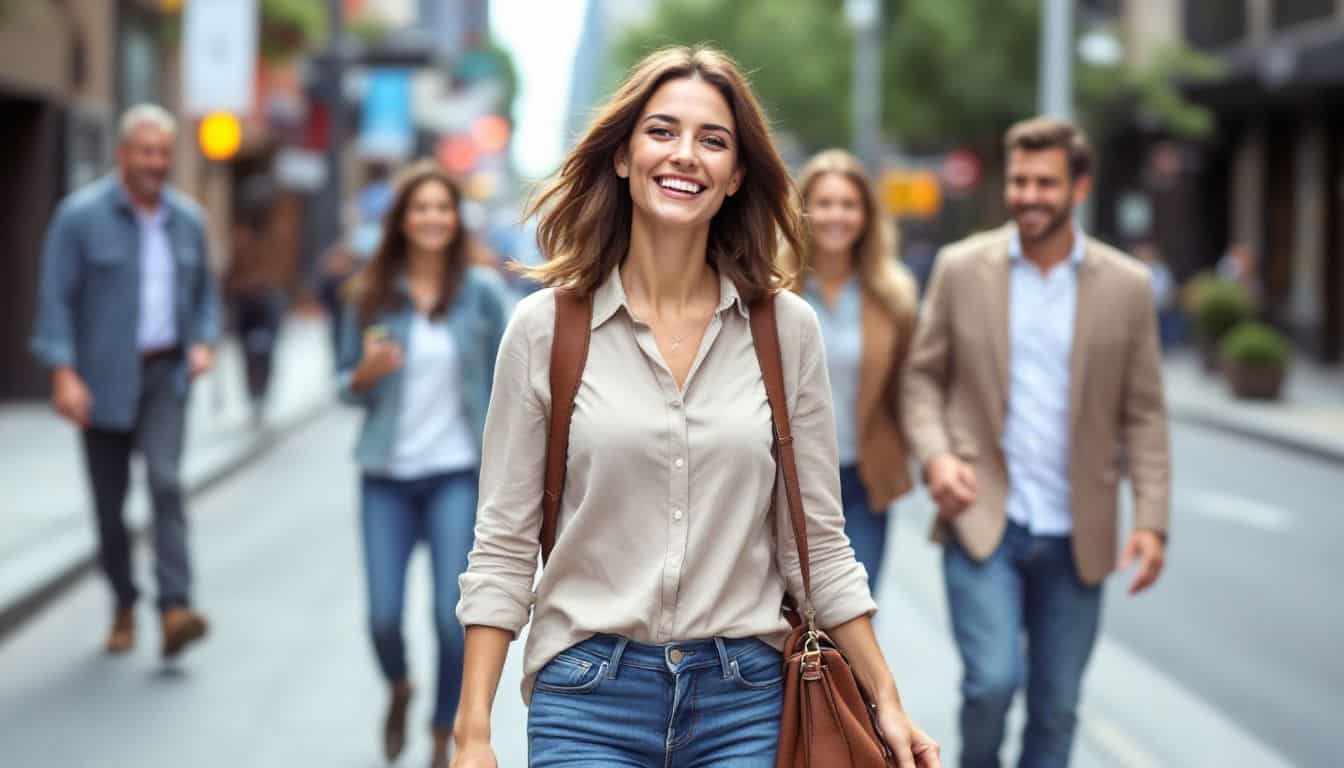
<point>716,142</point>
<point>659,132</point>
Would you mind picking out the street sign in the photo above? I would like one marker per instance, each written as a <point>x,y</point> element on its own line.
<point>960,171</point>
<point>911,194</point>
<point>219,50</point>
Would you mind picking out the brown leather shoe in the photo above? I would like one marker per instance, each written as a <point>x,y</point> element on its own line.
<point>181,628</point>
<point>122,637</point>
<point>394,727</point>
<point>443,737</point>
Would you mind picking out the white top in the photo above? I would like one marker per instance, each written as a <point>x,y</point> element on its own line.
<point>1036,430</point>
<point>158,326</point>
<point>432,435</point>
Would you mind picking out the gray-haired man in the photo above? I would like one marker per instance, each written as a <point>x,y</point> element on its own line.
<point>127,315</point>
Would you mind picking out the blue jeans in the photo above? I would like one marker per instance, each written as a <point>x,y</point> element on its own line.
<point>610,702</point>
<point>396,514</point>
<point>867,531</point>
<point>1028,584</point>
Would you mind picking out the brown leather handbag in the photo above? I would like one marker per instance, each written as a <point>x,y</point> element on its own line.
<point>827,721</point>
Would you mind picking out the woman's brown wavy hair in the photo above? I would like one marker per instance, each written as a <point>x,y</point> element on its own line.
<point>585,211</point>
<point>374,288</point>
<point>875,253</point>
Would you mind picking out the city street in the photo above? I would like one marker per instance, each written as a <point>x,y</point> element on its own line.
<point>1230,655</point>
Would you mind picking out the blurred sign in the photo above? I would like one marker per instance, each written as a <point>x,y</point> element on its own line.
<point>300,169</point>
<point>220,135</point>
<point>960,171</point>
<point>913,194</point>
<point>387,130</point>
<point>491,133</point>
<point>457,154</point>
<point>219,50</point>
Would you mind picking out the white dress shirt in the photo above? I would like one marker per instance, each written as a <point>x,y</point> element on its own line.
<point>158,319</point>
<point>1036,429</point>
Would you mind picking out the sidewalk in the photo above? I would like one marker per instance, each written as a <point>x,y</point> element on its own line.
<point>46,524</point>
<point>1309,418</point>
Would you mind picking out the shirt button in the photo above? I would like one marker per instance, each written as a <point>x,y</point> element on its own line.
<point>680,462</point>
<point>676,514</point>
<point>675,404</point>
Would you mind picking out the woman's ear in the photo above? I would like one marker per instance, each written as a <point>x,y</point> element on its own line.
<point>622,162</point>
<point>735,183</point>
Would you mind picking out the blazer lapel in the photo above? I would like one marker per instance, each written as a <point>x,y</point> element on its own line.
<point>1086,301</point>
<point>879,343</point>
<point>996,282</point>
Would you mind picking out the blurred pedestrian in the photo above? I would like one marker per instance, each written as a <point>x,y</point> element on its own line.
<point>127,316</point>
<point>418,347</point>
<point>254,286</point>
<point>1164,293</point>
<point>866,302</point>
<point>1035,366</point>
<point>673,550</point>
<point>1241,265</point>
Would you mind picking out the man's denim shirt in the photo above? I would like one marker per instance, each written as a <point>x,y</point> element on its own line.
<point>89,294</point>
<point>476,320</point>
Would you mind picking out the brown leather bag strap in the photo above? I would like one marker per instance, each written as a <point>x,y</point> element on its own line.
<point>569,354</point>
<point>765,337</point>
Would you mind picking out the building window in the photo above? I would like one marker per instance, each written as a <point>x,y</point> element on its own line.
<point>1213,24</point>
<point>1290,13</point>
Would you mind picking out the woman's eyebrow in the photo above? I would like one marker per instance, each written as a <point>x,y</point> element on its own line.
<point>675,121</point>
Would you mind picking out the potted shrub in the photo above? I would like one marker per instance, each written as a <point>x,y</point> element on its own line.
<point>1255,359</point>
<point>1220,305</point>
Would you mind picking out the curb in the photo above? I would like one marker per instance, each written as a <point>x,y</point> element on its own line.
<point>80,555</point>
<point>1319,447</point>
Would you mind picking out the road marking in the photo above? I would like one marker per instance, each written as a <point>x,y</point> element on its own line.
<point>1239,510</point>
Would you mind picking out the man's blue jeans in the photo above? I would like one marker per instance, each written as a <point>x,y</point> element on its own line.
<point>396,514</point>
<point>609,702</point>
<point>1028,585</point>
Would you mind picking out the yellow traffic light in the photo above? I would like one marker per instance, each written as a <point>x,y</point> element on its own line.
<point>220,135</point>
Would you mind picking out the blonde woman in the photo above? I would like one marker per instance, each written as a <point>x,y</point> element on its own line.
<point>656,625</point>
<point>865,301</point>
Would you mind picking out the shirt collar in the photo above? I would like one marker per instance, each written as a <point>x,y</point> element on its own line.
<point>610,296</point>
<point>1075,255</point>
<point>123,200</point>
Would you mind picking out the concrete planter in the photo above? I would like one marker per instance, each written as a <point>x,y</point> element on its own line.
<point>1254,382</point>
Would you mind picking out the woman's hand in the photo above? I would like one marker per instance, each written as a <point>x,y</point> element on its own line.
<point>913,747</point>
<point>474,754</point>
<point>381,357</point>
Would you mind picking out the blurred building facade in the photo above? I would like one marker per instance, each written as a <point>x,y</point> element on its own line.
<point>591,75</point>
<point>1271,177</point>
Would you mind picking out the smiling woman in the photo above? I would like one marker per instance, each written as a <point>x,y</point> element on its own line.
<point>656,623</point>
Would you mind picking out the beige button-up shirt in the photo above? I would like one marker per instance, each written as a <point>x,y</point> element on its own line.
<point>667,528</point>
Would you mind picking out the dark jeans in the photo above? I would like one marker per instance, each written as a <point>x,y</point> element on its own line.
<point>440,508</point>
<point>1029,584</point>
<point>610,702</point>
<point>158,433</point>
<point>257,319</point>
<point>867,531</point>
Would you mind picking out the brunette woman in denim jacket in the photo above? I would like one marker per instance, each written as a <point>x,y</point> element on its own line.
<point>417,353</point>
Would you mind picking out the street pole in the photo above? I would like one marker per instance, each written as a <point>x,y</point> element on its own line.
<point>865,19</point>
<point>332,196</point>
<point>1056,64</point>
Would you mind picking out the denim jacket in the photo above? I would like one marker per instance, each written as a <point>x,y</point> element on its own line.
<point>89,294</point>
<point>476,320</point>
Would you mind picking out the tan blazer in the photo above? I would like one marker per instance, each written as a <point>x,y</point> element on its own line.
<point>883,463</point>
<point>956,394</point>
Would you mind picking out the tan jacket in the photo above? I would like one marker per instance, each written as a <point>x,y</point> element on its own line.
<point>883,462</point>
<point>956,393</point>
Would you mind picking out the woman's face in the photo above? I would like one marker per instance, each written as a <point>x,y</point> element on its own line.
<point>430,223</point>
<point>682,159</point>
<point>836,215</point>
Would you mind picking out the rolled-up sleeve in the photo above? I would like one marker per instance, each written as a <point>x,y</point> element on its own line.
<point>497,585</point>
<point>53,333</point>
<point>839,582</point>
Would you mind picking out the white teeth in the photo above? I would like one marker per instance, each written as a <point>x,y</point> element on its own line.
<point>680,185</point>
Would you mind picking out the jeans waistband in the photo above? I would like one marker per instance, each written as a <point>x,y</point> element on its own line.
<point>673,658</point>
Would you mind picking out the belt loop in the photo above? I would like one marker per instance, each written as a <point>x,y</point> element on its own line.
<point>615,664</point>
<point>723,657</point>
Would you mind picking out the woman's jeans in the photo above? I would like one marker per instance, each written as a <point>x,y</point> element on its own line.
<point>611,702</point>
<point>440,508</point>
<point>867,531</point>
